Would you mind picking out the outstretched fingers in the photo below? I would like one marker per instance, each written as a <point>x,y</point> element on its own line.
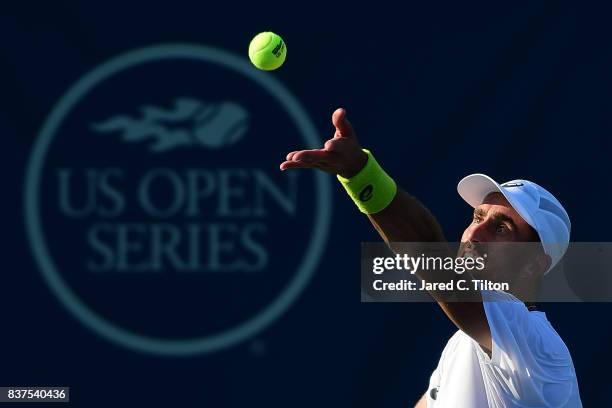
<point>329,158</point>
<point>312,156</point>
<point>290,155</point>
<point>296,165</point>
<point>315,158</point>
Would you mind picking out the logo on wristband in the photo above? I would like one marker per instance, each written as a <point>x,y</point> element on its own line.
<point>366,193</point>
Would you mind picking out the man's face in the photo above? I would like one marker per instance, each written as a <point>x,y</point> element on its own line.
<point>495,222</point>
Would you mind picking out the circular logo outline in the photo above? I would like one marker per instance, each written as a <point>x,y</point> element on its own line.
<point>88,317</point>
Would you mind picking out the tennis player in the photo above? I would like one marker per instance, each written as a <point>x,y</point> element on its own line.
<point>505,353</point>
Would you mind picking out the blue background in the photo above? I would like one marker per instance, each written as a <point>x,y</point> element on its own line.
<point>438,90</point>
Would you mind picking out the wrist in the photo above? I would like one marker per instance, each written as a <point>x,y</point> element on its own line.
<point>356,166</point>
<point>371,188</point>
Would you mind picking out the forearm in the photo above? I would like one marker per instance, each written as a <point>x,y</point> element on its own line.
<point>405,219</point>
<point>396,215</point>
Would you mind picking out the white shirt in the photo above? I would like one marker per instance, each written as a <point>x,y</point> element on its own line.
<point>530,366</point>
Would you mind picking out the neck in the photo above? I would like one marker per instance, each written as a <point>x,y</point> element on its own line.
<point>526,290</point>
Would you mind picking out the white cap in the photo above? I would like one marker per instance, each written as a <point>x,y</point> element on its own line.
<point>536,205</point>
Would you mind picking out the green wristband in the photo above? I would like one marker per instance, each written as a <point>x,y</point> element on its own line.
<point>371,189</point>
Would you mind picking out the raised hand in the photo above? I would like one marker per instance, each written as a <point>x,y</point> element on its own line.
<point>341,154</point>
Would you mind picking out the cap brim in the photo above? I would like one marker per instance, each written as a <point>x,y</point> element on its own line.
<point>476,187</point>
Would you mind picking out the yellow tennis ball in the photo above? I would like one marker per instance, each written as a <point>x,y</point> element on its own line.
<point>267,51</point>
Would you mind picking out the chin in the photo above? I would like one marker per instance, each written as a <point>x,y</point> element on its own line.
<point>487,273</point>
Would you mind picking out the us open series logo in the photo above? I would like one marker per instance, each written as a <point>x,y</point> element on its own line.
<point>154,204</point>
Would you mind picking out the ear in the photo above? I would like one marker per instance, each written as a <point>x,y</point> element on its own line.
<point>539,265</point>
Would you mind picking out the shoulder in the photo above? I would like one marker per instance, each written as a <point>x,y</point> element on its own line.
<point>455,344</point>
<point>505,306</point>
<point>516,330</point>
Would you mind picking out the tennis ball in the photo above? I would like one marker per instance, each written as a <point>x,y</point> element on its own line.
<point>267,51</point>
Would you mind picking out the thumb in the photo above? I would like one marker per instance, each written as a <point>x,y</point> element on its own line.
<point>342,125</point>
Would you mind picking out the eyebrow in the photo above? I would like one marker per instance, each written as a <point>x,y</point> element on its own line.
<point>495,215</point>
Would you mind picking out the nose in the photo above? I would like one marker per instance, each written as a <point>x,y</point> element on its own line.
<point>477,232</point>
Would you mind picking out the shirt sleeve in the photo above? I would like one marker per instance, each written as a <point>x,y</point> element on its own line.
<point>509,323</point>
<point>529,358</point>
